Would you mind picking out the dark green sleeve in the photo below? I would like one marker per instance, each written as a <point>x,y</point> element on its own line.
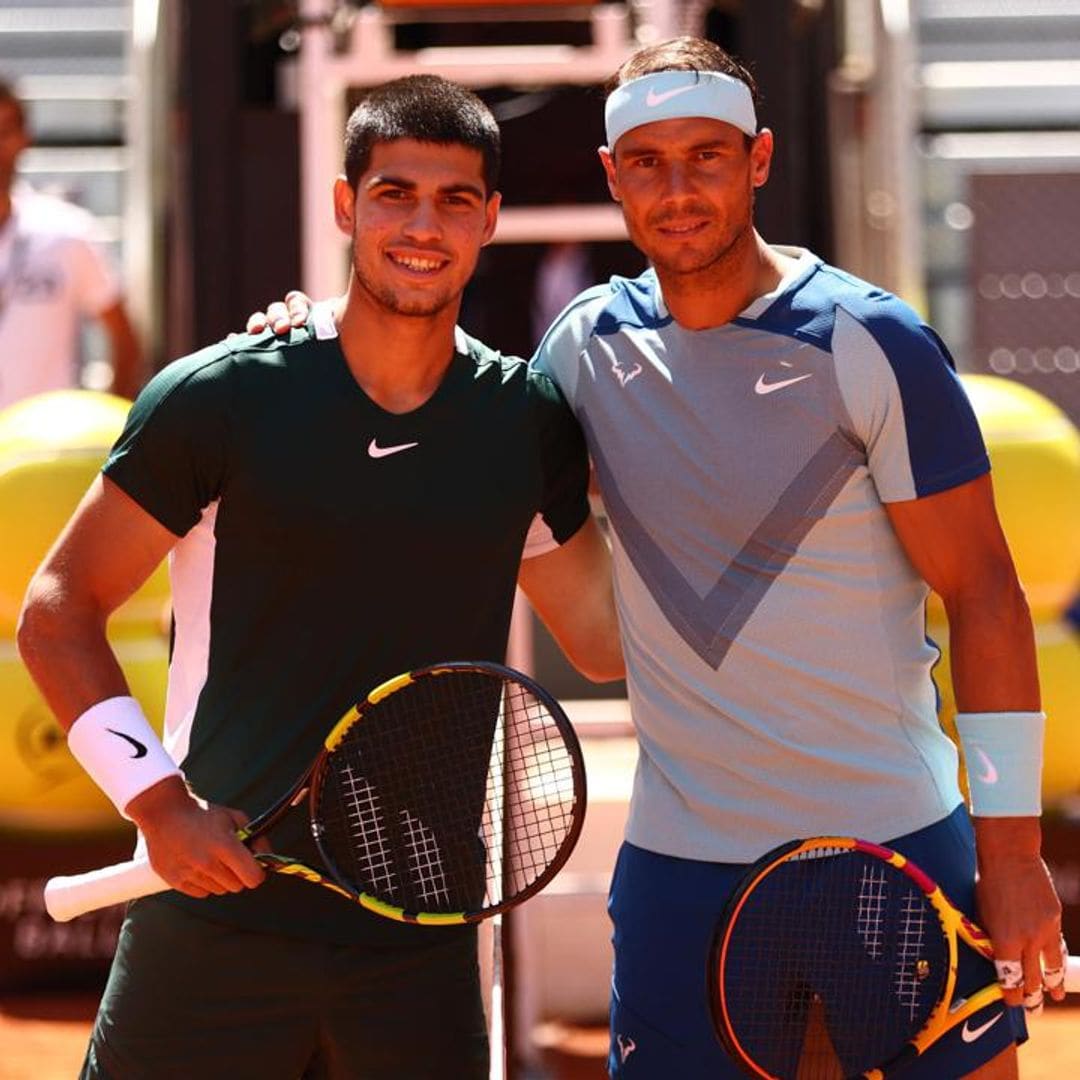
<point>171,456</point>
<point>564,503</point>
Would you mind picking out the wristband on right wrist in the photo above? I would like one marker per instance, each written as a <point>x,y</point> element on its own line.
<point>115,744</point>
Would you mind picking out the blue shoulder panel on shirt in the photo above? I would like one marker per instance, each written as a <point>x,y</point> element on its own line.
<point>806,312</point>
<point>945,445</point>
<point>632,304</point>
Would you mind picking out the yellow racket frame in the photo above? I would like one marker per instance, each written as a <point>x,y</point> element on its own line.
<point>955,924</point>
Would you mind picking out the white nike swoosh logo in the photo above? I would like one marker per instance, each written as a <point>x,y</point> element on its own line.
<point>970,1034</point>
<point>762,387</point>
<point>376,451</point>
<point>989,773</point>
<point>652,98</point>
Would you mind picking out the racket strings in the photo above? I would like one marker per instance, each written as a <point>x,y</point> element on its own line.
<point>467,796</point>
<point>829,965</point>
<point>871,910</point>
<point>363,818</point>
<point>425,862</point>
<point>535,804</point>
<point>910,953</point>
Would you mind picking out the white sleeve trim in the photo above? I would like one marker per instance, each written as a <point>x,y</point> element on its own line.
<point>540,539</point>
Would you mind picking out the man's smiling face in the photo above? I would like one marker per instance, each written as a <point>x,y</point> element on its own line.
<point>418,218</point>
<point>687,189</point>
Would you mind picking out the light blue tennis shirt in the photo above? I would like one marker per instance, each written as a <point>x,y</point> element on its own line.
<point>774,631</point>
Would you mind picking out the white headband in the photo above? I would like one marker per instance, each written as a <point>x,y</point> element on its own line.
<point>675,95</point>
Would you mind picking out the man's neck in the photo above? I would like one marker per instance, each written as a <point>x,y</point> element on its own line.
<point>398,360</point>
<point>750,269</point>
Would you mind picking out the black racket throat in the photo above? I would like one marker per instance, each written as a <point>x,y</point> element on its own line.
<point>454,794</point>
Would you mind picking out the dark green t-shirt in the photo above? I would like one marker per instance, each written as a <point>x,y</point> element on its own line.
<point>328,545</point>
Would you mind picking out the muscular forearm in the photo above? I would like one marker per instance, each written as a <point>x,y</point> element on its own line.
<point>992,650</point>
<point>67,653</point>
<point>994,672</point>
<point>194,848</point>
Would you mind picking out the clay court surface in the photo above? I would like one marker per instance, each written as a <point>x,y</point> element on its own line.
<point>42,1037</point>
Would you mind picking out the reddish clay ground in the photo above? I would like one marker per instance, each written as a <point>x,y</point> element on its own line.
<point>42,1038</point>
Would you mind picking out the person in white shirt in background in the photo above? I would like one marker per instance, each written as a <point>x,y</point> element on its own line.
<point>53,275</point>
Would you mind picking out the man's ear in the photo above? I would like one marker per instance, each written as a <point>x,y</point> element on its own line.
<point>761,153</point>
<point>344,205</point>
<point>607,159</point>
<point>491,216</point>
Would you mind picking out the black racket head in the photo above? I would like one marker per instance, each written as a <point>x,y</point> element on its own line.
<point>450,794</point>
<point>827,960</point>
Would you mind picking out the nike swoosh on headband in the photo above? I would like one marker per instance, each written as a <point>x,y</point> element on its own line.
<point>652,98</point>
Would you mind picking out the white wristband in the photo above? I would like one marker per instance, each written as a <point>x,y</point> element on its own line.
<point>116,745</point>
<point>1003,753</point>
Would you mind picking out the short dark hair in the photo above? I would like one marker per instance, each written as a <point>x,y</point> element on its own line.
<point>9,97</point>
<point>426,108</point>
<point>684,54</point>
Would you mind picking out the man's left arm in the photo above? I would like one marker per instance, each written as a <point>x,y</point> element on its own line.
<point>955,542</point>
<point>124,351</point>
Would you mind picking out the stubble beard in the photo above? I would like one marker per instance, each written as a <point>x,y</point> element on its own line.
<point>712,261</point>
<point>393,303</point>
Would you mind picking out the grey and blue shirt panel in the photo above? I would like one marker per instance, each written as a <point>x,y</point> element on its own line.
<point>778,669</point>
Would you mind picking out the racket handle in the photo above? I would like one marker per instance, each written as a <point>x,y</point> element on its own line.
<point>1072,975</point>
<point>66,897</point>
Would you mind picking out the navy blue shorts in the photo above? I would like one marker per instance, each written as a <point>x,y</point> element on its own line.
<point>665,911</point>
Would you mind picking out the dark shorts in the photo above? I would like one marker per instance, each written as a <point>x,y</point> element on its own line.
<point>187,997</point>
<point>665,911</point>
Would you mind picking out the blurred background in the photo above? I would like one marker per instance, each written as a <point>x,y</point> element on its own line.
<point>931,146</point>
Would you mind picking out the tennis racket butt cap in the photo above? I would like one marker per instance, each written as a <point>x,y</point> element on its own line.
<point>1072,975</point>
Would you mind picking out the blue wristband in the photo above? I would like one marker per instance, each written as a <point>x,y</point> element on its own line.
<point>1003,755</point>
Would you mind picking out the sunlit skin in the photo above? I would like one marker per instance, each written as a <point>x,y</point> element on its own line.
<point>687,193</point>
<point>417,220</point>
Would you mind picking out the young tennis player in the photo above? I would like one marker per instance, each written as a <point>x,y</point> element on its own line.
<point>789,464</point>
<point>338,506</point>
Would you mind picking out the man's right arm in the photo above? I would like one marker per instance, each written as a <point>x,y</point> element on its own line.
<point>107,550</point>
<point>570,588</point>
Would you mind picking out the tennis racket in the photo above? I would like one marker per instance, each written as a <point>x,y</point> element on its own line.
<point>449,794</point>
<point>837,958</point>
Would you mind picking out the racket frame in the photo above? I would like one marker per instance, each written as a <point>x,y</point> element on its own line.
<point>356,715</point>
<point>954,925</point>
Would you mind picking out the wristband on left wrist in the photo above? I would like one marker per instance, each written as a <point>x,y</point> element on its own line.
<point>1003,756</point>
